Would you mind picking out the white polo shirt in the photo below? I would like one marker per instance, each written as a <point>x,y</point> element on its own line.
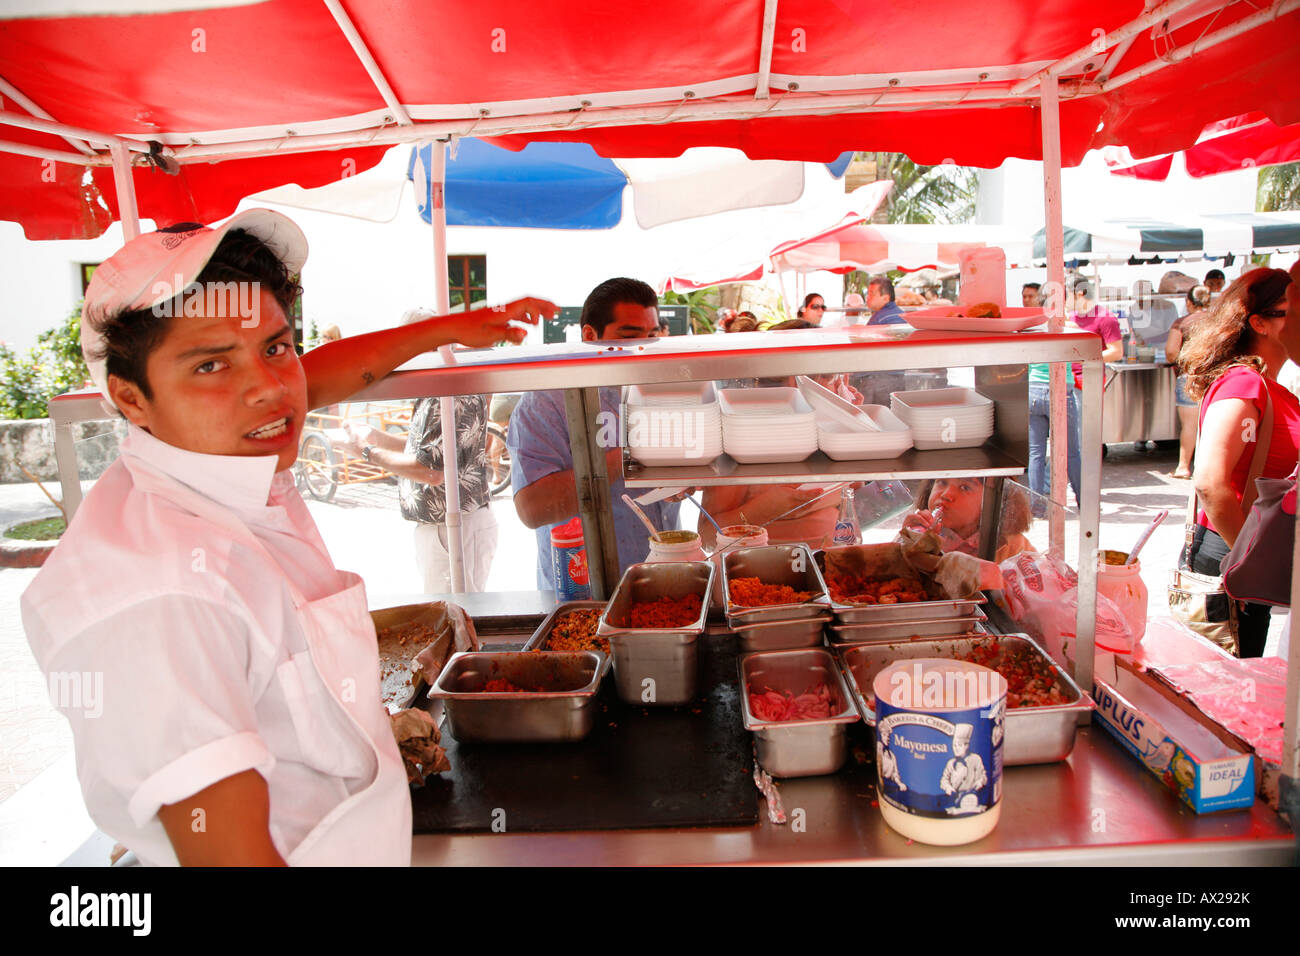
<point>175,652</point>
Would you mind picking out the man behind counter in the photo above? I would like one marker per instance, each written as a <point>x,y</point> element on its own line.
<point>541,468</point>
<point>239,721</point>
<point>880,300</point>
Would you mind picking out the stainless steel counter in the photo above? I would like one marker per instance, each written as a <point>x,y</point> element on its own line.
<point>1097,808</point>
<point>1138,403</point>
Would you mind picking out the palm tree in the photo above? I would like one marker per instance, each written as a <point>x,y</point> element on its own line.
<point>921,194</point>
<point>924,194</point>
<point>1279,188</point>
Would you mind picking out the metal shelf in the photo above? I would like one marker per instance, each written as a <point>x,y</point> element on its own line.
<point>689,358</point>
<point>939,463</point>
<point>698,358</point>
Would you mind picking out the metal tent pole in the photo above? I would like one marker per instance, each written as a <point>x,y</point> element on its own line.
<point>446,406</point>
<point>1289,797</point>
<point>780,281</point>
<point>1051,121</point>
<point>1089,413</point>
<point>127,210</point>
<point>65,448</point>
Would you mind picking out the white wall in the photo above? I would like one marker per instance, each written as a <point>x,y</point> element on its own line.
<point>40,282</point>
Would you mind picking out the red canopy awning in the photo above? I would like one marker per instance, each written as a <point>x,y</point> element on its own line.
<point>270,89</point>
<point>1239,143</point>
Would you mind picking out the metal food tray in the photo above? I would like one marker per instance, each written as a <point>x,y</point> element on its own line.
<point>946,608</point>
<point>781,635</point>
<point>656,666</point>
<point>904,630</point>
<point>1033,734</point>
<point>537,642</point>
<point>789,564</point>
<point>797,748</point>
<point>565,713</point>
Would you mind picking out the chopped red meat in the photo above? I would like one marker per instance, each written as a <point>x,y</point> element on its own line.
<point>771,705</point>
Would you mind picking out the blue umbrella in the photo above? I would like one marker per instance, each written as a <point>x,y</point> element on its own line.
<point>544,186</point>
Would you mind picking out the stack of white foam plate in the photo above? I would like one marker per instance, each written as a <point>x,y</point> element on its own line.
<point>767,425</point>
<point>842,442</point>
<point>831,409</point>
<point>675,423</point>
<point>945,417</point>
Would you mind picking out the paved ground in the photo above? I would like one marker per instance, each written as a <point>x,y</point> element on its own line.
<point>365,533</point>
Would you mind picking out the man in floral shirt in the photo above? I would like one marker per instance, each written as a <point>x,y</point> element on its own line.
<point>417,461</point>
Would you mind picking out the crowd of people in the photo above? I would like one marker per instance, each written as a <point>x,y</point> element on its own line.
<point>1225,356</point>
<point>1153,322</point>
<point>879,307</point>
<point>1235,419</point>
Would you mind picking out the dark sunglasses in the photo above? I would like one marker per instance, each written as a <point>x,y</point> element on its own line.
<point>817,307</point>
<point>1271,314</point>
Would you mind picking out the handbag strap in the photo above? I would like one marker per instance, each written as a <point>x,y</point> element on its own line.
<point>1263,437</point>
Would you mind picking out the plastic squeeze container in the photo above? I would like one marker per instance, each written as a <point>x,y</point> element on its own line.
<point>939,727</point>
<point>983,275</point>
<point>676,546</point>
<point>569,562</point>
<point>1123,584</point>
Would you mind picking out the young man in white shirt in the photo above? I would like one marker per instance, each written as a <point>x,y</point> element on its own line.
<point>236,718</point>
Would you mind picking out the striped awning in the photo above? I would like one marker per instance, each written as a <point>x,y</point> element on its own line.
<point>1220,233</point>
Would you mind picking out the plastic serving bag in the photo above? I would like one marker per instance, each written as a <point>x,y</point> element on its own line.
<point>1041,594</point>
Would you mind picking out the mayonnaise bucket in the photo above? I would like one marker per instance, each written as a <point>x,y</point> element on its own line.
<point>939,727</point>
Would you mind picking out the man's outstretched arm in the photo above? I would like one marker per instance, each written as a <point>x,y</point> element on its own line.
<point>339,370</point>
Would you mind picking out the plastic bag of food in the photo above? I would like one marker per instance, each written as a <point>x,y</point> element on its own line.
<point>1041,594</point>
<point>419,743</point>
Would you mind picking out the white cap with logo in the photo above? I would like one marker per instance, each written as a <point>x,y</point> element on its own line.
<point>157,266</point>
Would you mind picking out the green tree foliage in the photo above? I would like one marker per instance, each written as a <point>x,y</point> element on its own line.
<point>924,194</point>
<point>53,366</point>
<point>701,305</point>
<point>1279,188</point>
<point>921,194</point>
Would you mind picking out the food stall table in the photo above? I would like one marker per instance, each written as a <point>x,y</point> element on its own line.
<point>1098,807</point>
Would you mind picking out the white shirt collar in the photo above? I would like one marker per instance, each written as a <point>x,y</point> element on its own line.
<point>242,483</point>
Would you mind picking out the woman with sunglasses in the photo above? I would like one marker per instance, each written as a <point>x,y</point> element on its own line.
<point>1231,357</point>
<point>813,308</point>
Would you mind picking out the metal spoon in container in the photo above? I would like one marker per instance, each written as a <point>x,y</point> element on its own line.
<point>654,532</point>
<point>716,526</point>
<point>659,494</point>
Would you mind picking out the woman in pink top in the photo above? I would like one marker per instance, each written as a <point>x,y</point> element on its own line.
<point>1231,359</point>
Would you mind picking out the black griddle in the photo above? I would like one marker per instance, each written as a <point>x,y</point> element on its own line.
<point>640,767</point>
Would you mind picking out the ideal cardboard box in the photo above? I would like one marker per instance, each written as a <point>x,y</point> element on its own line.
<point>1207,767</point>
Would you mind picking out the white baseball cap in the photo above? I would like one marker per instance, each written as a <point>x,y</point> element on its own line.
<point>156,267</point>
